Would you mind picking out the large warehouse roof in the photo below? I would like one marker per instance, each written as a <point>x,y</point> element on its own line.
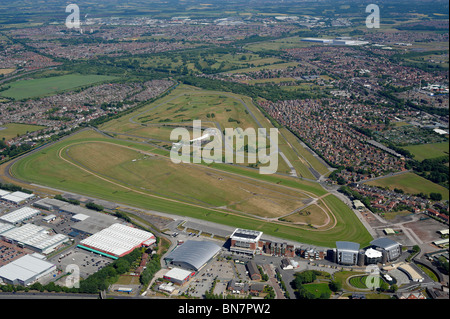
<point>20,215</point>
<point>4,227</point>
<point>36,237</point>
<point>17,197</point>
<point>193,254</point>
<point>118,240</point>
<point>3,192</point>
<point>25,269</point>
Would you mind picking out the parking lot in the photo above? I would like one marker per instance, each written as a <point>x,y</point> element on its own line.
<point>10,252</point>
<point>87,262</point>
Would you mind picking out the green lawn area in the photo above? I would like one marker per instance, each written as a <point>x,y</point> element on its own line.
<point>428,151</point>
<point>39,87</point>
<point>11,130</point>
<point>45,167</point>
<point>318,289</point>
<point>412,184</point>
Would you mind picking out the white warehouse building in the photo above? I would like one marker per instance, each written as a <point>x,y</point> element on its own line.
<point>26,270</point>
<point>34,237</point>
<point>20,215</point>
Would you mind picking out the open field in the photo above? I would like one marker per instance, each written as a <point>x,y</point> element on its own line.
<point>278,66</point>
<point>318,289</point>
<point>158,175</point>
<point>412,184</point>
<point>56,167</point>
<point>40,87</point>
<point>215,109</point>
<point>11,130</point>
<point>428,151</point>
<point>278,45</point>
<point>312,215</point>
<point>6,71</point>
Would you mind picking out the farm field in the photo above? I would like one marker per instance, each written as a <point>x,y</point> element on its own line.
<point>428,151</point>
<point>412,184</point>
<point>11,130</point>
<point>79,164</point>
<point>39,87</point>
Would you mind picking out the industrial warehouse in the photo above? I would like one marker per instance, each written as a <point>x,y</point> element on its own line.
<point>91,240</point>
<point>192,255</point>
<point>26,270</point>
<point>117,240</point>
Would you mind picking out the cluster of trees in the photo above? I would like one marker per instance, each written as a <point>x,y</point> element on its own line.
<point>13,150</point>
<point>152,267</point>
<point>70,201</point>
<point>434,169</point>
<point>271,93</point>
<point>94,206</point>
<point>14,188</point>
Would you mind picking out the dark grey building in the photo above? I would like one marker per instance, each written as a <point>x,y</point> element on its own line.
<point>391,249</point>
<point>346,253</point>
<point>192,255</point>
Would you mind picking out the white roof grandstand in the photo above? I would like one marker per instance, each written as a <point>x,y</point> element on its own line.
<point>246,235</point>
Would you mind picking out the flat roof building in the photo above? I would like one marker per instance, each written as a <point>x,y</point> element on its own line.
<point>4,193</point>
<point>17,197</point>
<point>49,204</point>
<point>192,255</point>
<point>49,218</point>
<point>26,270</point>
<point>245,241</point>
<point>117,240</point>
<point>20,215</point>
<point>178,276</point>
<point>34,237</point>
<point>4,227</point>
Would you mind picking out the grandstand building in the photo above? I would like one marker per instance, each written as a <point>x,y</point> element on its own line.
<point>245,241</point>
<point>390,249</point>
<point>346,253</point>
